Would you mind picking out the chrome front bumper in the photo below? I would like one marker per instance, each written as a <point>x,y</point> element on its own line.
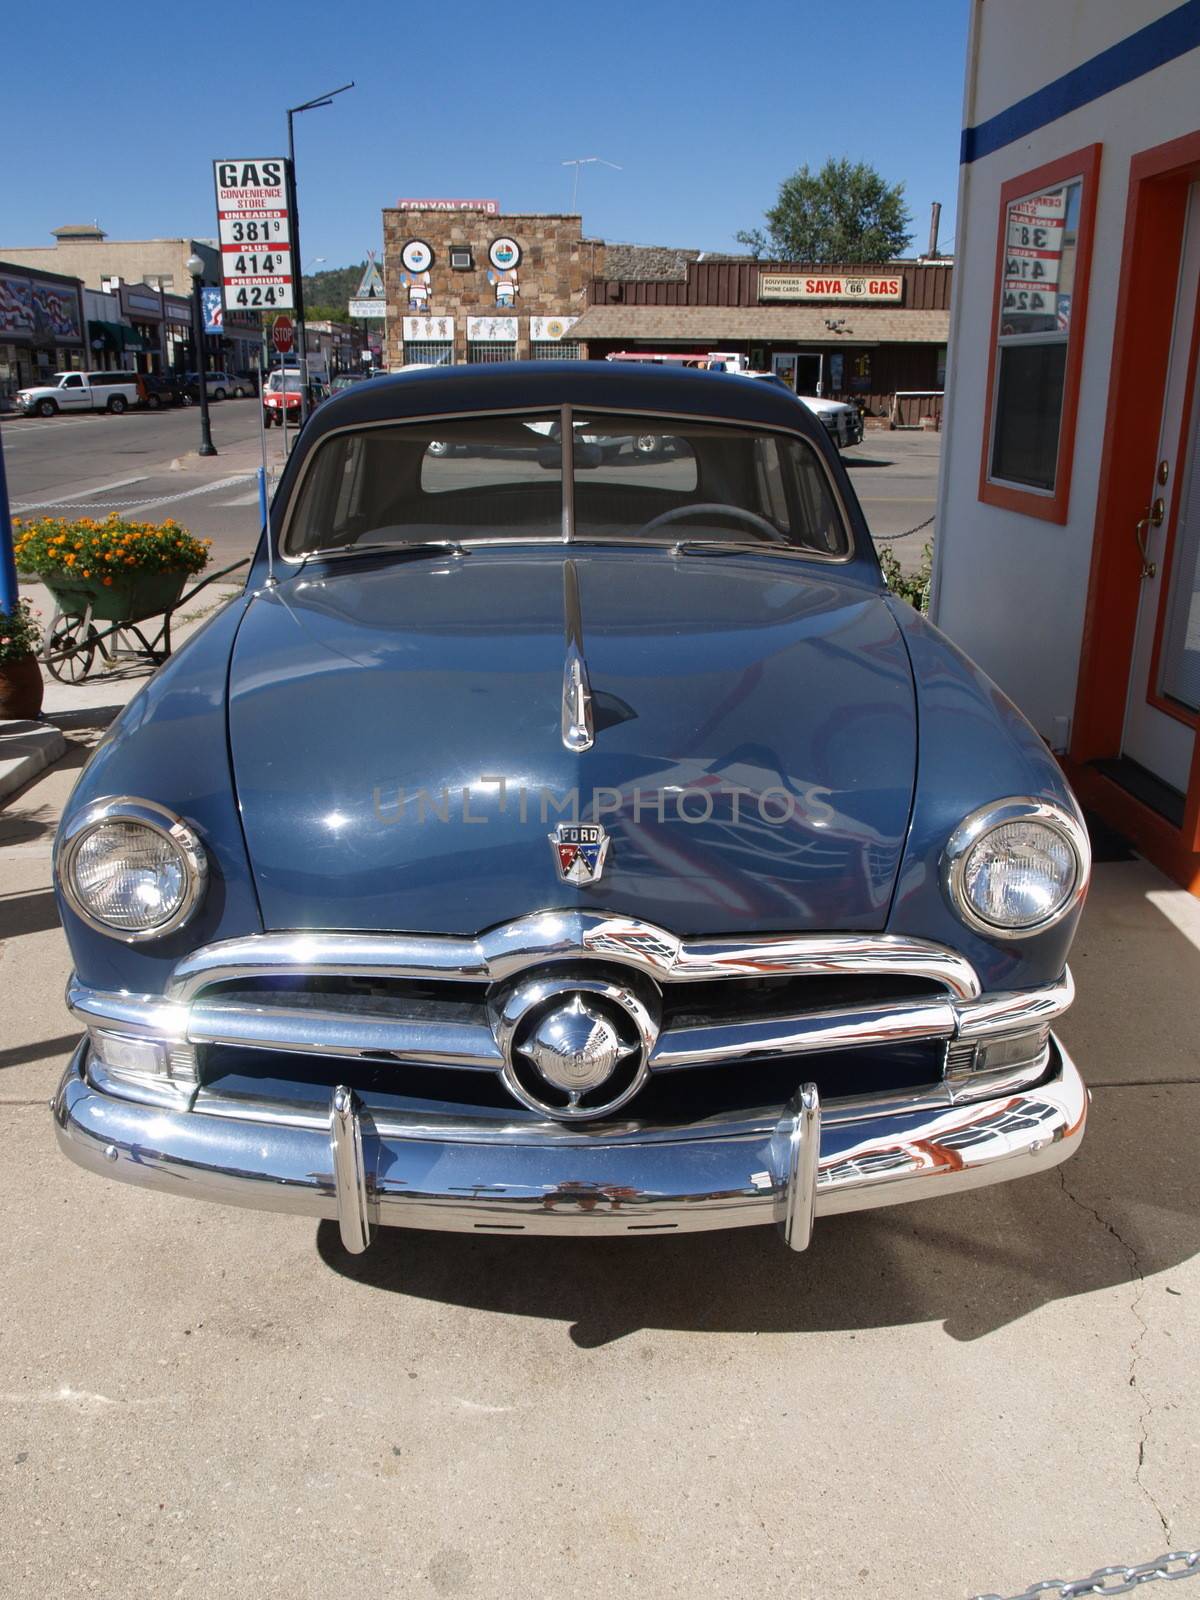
<point>783,1168</point>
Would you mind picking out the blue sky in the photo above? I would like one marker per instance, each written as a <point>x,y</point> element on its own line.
<point>705,106</point>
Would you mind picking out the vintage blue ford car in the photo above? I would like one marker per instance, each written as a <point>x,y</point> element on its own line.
<point>567,832</point>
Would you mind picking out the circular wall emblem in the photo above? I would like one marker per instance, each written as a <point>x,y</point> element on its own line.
<point>504,253</point>
<point>417,256</point>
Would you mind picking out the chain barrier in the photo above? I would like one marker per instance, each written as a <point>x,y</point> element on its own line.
<point>1113,1580</point>
<point>887,538</point>
<point>144,502</point>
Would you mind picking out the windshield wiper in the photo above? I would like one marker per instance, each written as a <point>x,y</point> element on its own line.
<point>723,547</point>
<point>419,547</point>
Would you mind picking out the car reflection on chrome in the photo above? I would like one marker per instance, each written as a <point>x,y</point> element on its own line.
<point>566,832</point>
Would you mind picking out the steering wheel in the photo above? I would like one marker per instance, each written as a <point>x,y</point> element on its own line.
<point>738,513</point>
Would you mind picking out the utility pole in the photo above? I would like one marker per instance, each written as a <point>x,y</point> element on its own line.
<point>298,270</point>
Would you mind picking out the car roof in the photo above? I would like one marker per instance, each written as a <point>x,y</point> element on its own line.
<point>631,386</point>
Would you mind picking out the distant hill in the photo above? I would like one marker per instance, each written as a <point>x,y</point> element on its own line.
<point>327,295</point>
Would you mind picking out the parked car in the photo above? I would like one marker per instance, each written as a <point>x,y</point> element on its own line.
<point>245,383</point>
<point>221,385</point>
<point>80,391</point>
<point>158,389</point>
<point>281,397</point>
<point>563,846</point>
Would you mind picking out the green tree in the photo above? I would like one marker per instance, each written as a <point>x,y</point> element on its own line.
<point>845,214</point>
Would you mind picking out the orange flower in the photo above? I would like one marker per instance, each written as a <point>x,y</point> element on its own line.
<point>108,583</point>
<point>70,561</point>
<point>86,573</point>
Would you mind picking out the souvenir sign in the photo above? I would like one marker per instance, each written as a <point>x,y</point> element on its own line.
<point>504,253</point>
<point>417,256</point>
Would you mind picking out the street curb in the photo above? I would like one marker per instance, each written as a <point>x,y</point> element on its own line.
<point>27,748</point>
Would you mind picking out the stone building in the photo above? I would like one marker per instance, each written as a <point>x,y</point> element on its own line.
<point>469,285</point>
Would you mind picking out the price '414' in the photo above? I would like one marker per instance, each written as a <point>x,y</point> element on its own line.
<point>255,266</point>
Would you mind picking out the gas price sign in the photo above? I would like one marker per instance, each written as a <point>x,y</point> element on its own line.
<point>255,234</point>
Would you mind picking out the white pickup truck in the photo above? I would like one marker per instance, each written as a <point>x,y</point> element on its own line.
<point>81,391</point>
<point>842,422</point>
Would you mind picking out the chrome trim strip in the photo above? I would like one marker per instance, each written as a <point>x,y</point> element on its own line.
<point>566,467</point>
<point>711,1044</point>
<point>578,727</point>
<point>587,1188</point>
<point>1011,1013</point>
<point>568,935</point>
<point>349,1172</point>
<point>361,1035</point>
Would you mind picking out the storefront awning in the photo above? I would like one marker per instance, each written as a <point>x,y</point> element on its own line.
<point>133,339</point>
<point>712,325</point>
<point>109,333</point>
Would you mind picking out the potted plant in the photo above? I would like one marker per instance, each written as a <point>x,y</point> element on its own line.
<point>20,675</point>
<point>117,570</point>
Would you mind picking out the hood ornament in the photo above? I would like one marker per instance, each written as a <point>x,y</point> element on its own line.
<point>578,729</point>
<point>579,851</point>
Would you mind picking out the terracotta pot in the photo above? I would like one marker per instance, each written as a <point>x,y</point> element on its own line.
<point>21,689</point>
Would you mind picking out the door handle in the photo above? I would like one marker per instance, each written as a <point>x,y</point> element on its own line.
<point>1152,519</point>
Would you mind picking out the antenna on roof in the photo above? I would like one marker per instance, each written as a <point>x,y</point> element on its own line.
<point>586,161</point>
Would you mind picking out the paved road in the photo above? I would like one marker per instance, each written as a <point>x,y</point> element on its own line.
<point>100,463</point>
<point>895,477</point>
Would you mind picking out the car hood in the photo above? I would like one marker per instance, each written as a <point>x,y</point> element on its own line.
<point>396,736</point>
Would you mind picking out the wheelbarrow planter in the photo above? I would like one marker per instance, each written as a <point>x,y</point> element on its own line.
<point>131,597</point>
<point>73,642</point>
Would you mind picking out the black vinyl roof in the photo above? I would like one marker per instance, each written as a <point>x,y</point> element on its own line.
<point>616,385</point>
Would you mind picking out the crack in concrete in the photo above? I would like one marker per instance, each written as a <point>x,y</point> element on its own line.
<point>1136,1276</point>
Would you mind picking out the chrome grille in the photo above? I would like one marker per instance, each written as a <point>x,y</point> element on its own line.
<point>423,1017</point>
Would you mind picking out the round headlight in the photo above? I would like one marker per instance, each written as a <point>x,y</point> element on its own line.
<point>1016,867</point>
<point>131,869</point>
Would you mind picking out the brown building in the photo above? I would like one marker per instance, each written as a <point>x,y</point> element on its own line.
<point>469,285</point>
<point>865,333</point>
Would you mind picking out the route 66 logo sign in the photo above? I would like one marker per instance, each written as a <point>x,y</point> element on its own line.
<point>579,851</point>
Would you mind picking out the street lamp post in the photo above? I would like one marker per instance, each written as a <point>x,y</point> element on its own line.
<point>195,266</point>
<point>294,209</point>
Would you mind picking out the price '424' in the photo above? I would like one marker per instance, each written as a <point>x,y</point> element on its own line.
<point>255,294</point>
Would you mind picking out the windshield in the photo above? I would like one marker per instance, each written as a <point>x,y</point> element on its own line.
<point>635,477</point>
<point>277,382</point>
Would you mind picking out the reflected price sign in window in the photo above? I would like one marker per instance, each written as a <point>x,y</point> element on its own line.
<point>1034,262</point>
<point>1041,234</point>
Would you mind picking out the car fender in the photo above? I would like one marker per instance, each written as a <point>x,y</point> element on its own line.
<point>170,745</point>
<point>974,747</point>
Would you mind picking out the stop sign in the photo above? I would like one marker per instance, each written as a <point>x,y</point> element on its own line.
<point>282,333</point>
